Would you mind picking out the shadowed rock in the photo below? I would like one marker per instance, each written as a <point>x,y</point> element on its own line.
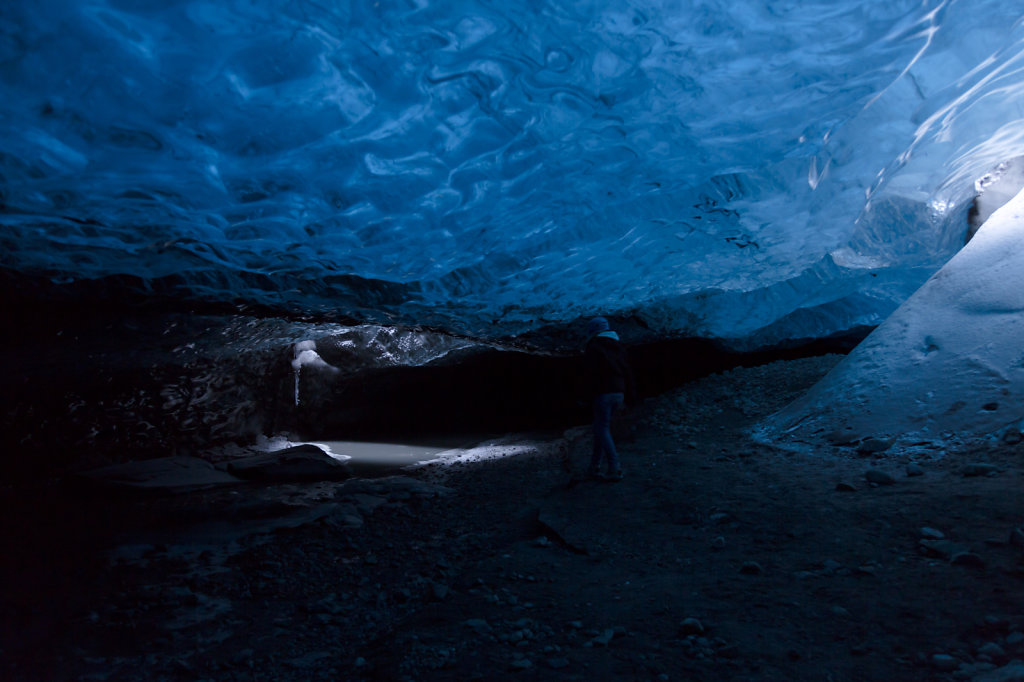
<point>300,463</point>
<point>164,474</point>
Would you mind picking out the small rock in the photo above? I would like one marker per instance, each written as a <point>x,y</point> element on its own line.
<point>874,445</point>
<point>969,559</point>
<point>751,568</point>
<point>558,663</point>
<point>992,650</point>
<point>840,611</point>
<point>478,625</point>
<point>932,534</point>
<point>1014,672</point>
<point>943,549</point>
<point>604,638</point>
<point>520,664</point>
<point>728,651</point>
<point>978,469</point>
<point>1014,638</point>
<point>844,487</point>
<point>969,671</point>
<point>542,541</point>
<point>1013,436</point>
<point>944,662</point>
<point>879,477</point>
<point>439,591</point>
<point>1017,537</point>
<point>914,469</point>
<point>718,543</point>
<point>842,437</point>
<point>691,626</point>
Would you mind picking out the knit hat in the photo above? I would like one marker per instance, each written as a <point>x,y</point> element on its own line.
<point>596,326</point>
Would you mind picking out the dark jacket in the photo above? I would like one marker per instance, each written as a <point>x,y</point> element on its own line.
<point>607,367</point>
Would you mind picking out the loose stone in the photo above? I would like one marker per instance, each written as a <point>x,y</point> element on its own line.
<point>979,469</point>
<point>992,650</point>
<point>1017,537</point>
<point>944,662</point>
<point>751,568</point>
<point>691,626</point>
<point>874,445</point>
<point>879,477</point>
<point>969,559</point>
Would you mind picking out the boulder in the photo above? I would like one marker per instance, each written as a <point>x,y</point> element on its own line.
<point>163,474</point>
<point>300,463</point>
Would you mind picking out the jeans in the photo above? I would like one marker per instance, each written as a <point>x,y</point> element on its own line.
<point>605,405</point>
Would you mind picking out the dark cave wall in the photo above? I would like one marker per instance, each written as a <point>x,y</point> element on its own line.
<point>93,385</point>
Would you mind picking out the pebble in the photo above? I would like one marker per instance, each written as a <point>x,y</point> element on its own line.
<point>879,477</point>
<point>979,469</point>
<point>873,445</point>
<point>718,543</point>
<point>844,487</point>
<point>520,664</point>
<point>992,650</point>
<point>604,639</point>
<point>558,663</point>
<point>932,534</point>
<point>1014,672</point>
<point>478,625</point>
<point>691,626</point>
<point>914,469</point>
<point>969,559</point>
<point>1017,537</point>
<point>1014,638</point>
<point>944,662</point>
<point>751,568</point>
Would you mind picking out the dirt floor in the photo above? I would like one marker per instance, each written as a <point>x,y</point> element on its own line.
<point>716,558</point>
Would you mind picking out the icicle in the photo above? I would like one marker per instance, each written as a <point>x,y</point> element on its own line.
<point>298,370</point>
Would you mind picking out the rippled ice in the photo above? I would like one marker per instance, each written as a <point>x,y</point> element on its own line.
<point>727,168</point>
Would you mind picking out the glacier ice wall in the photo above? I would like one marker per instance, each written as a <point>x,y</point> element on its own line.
<point>735,168</point>
<point>946,364</point>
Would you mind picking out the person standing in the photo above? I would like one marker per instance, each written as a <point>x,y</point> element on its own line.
<point>612,385</point>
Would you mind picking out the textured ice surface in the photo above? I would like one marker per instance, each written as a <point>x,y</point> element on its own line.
<point>732,168</point>
<point>948,361</point>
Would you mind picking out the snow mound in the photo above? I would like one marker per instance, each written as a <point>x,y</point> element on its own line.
<point>949,361</point>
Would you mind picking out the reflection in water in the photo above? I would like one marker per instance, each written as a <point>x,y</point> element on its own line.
<point>370,459</point>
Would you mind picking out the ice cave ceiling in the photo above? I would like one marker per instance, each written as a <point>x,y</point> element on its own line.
<point>729,168</point>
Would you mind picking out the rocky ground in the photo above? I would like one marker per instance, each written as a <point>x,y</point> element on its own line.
<point>716,558</point>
